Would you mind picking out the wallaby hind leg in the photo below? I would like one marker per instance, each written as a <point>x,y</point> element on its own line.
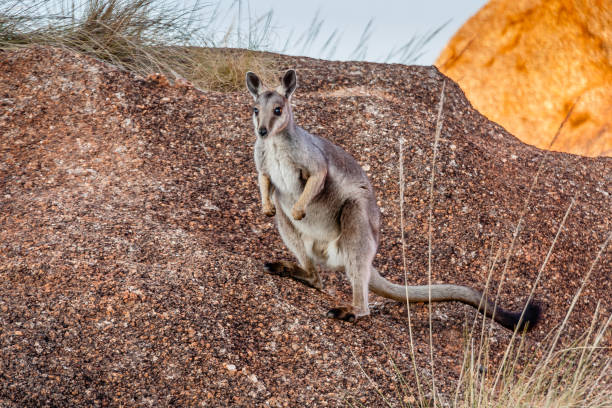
<point>359,308</point>
<point>306,272</point>
<point>357,246</point>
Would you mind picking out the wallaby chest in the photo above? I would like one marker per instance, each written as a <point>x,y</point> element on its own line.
<point>277,162</point>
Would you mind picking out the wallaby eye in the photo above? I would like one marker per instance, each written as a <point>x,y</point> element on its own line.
<point>278,111</point>
<point>255,111</point>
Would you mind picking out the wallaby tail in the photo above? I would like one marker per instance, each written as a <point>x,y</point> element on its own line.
<point>464,294</point>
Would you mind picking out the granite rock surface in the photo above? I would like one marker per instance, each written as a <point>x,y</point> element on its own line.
<point>132,239</point>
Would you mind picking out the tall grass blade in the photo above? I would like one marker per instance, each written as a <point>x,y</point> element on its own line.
<point>430,233</point>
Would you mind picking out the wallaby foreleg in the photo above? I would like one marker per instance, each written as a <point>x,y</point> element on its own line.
<point>314,185</point>
<point>265,188</point>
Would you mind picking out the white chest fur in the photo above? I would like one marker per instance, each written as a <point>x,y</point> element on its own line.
<point>282,170</point>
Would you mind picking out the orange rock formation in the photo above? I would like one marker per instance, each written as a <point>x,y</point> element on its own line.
<point>526,63</point>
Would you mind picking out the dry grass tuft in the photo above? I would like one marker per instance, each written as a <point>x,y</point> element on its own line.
<point>576,375</point>
<point>141,36</point>
<point>223,69</point>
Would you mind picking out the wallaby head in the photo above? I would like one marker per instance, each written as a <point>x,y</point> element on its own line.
<point>272,109</point>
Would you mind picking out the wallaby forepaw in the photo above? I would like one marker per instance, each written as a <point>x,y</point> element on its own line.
<point>297,213</point>
<point>269,210</point>
<point>342,313</point>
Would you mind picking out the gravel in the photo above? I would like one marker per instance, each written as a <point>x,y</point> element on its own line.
<point>132,239</point>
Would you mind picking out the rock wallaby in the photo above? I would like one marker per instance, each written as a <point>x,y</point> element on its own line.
<point>327,215</point>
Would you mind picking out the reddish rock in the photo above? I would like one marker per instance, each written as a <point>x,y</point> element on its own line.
<point>524,64</point>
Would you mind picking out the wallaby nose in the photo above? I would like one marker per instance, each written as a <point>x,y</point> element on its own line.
<point>263,131</point>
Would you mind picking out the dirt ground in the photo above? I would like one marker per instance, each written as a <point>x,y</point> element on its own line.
<point>132,239</point>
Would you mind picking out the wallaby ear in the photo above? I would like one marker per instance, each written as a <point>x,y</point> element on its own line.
<point>289,82</point>
<point>254,84</point>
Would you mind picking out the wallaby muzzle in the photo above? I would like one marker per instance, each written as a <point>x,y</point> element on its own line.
<point>263,131</point>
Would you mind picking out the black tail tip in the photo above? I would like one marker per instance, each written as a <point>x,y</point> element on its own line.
<point>531,317</point>
<point>512,320</point>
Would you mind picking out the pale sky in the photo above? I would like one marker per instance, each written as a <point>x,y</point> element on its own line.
<point>395,22</point>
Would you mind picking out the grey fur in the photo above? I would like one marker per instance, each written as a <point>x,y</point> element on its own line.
<point>326,211</point>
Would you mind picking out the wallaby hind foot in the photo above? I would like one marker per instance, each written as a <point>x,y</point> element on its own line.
<point>294,271</point>
<point>342,313</point>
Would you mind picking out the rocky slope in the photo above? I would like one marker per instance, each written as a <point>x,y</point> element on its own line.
<point>132,242</point>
